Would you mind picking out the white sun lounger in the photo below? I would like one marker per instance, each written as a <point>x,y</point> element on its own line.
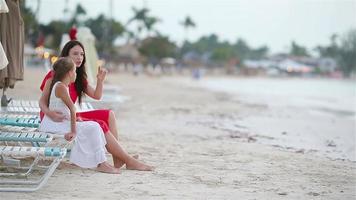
<point>22,106</point>
<point>23,182</point>
<point>37,139</point>
<point>32,107</point>
<point>24,120</point>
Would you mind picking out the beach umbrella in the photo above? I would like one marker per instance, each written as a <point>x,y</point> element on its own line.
<point>3,58</point>
<point>12,39</point>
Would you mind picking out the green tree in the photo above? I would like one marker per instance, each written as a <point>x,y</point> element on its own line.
<point>222,54</point>
<point>342,50</point>
<point>150,22</point>
<point>54,31</point>
<point>347,53</point>
<point>143,21</point>
<point>97,25</point>
<point>258,53</point>
<point>204,44</point>
<point>31,24</point>
<point>187,24</point>
<point>241,49</point>
<point>297,50</point>
<point>224,51</point>
<point>331,50</point>
<point>78,13</point>
<point>155,48</point>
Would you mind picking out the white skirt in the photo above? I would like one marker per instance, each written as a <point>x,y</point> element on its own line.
<point>89,144</point>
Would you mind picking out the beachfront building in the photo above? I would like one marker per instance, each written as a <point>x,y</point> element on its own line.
<point>259,67</point>
<point>328,65</point>
<point>280,64</point>
<point>293,67</point>
<point>128,56</point>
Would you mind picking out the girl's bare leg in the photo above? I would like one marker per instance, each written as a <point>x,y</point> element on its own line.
<point>118,152</point>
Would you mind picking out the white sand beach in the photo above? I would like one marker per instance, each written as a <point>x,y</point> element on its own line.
<point>204,145</point>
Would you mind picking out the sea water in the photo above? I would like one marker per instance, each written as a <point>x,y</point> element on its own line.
<point>317,115</point>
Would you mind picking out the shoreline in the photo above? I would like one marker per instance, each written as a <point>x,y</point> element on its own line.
<point>276,119</point>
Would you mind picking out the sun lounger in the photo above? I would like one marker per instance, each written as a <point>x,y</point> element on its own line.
<point>32,107</point>
<point>21,106</point>
<point>20,120</point>
<point>24,181</point>
<point>29,119</point>
<point>37,139</point>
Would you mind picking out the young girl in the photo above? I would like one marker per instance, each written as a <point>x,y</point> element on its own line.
<point>89,148</point>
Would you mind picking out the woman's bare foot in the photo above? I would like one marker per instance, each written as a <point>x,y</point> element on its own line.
<point>118,164</point>
<point>107,168</point>
<point>134,164</point>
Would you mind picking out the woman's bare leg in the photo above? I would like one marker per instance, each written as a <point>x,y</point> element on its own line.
<point>112,125</point>
<point>114,131</point>
<point>118,152</point>
<point>107,168</point>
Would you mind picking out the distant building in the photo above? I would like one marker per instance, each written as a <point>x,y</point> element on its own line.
<point>327,65</point>
<point>292,66</point>
<point>262,64</point>
<point>128,53</point>
<point>195,59</point>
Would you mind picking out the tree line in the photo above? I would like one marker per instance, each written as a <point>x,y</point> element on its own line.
<point>141,30</point>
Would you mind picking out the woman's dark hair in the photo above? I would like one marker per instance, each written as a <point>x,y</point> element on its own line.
<point>81,80</point>
<point>61,67</point>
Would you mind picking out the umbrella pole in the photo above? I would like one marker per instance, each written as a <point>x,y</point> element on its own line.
<point>4,100</point>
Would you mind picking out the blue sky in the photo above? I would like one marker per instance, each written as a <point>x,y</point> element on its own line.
<point>274,23</point>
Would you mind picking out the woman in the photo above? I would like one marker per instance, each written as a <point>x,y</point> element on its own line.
<point>106,118</point>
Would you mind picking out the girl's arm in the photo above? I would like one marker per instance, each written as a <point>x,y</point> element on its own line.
<point>61,92</point>
<point>98,91</point>
<point>54,115</point>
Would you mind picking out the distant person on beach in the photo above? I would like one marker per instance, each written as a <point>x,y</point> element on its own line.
<point>105,118</point>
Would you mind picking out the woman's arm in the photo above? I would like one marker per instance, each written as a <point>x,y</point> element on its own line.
<point>61,92</point>
<point>98,91</point>
<point>54,115</point>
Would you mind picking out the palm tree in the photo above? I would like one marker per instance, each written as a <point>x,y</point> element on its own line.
<point>38,9</point>
<point>143,20</point>
<point>140,16</point>
<point>149,24</point>
<point>187,23</point>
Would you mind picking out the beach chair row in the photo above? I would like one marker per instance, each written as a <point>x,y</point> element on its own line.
<point>18,125</point>
<point>16,140</point>
<point>21,130</point>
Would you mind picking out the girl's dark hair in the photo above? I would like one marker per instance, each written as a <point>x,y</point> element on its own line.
<point>80,81</point>
<point>61,67</point>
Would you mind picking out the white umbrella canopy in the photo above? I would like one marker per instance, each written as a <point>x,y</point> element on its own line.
<point>86,37</point>
<point>168,61</point>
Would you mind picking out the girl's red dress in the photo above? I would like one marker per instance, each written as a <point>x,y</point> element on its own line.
<point>100,116</point>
